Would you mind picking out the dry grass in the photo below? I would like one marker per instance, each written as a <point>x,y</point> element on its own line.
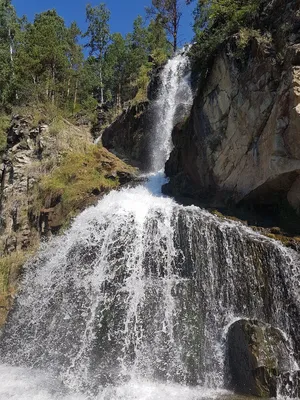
<point>10,271</point>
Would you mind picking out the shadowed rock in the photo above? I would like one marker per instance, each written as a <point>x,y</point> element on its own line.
<point>256,354</point>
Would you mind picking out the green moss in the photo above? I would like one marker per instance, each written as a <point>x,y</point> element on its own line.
<point>80,176</point>
<point>4,124</point>
<point>218,214</point>
<point>10,270</point>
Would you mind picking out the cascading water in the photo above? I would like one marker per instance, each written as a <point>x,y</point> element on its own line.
<point>133,301</point>
<point>174,101</point>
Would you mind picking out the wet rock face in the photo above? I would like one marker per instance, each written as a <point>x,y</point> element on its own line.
<point>242,139</point>
<point>256,354</point>
<point>289,385</point>
<point>128,137</point>
<point>154,85</point>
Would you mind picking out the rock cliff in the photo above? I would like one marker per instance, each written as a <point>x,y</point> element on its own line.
<point>242,140</point>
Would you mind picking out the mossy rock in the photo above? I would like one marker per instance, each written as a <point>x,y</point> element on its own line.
<point>256,354</point>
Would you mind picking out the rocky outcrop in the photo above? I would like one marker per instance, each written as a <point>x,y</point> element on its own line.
<point>127,136</point>
<point>25,146</point>
<point>257,354</point>
<point>242,140</point>
<point>31,209</point>
<point>33,149</point>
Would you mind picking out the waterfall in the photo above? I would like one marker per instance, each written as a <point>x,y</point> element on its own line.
<point>173,103</point>
<point>134,300</point>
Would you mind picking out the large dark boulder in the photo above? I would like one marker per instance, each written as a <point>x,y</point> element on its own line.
<point>256,354</point>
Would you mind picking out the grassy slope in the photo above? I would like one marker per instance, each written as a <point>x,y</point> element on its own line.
<point>81,176</point>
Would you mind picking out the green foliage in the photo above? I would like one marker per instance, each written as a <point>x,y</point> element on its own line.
<point>116,65</point>
<point>48,61</point>
<point>142,82</point>
<point>98,29</point>
<point>159,46</point>
<point>246,34</point>
<point>8,30</point>
<point>99,36</point>
<point>217,20</point>
<point>229,15</point>
<point>126,65</point>
<point>139,41</point>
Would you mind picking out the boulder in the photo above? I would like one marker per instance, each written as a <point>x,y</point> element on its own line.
<point>256,354</point>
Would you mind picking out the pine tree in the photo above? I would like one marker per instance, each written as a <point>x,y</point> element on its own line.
<point>8,27</point>
<point>76,59</point>
<point>169,13</point>
<point>159,47</point>
<point>99,36</point>
<point>117,66</point>
<point>43,57</point>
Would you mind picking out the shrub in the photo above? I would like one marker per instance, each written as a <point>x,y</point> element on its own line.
<point>4,124</point>
<point>142,83</point>
<point>246,34</point>
<point>217,20</point>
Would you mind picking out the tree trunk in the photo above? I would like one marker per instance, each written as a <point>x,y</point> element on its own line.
<point>10,46</point>
<point>47,88</point>
<point>119,103</point>
<point>11,52</point>
<point>75,95</point>
<point>101,86</point>
<point>175,26</point>
<point>68,90</point>
<point>53,85</point>
<point>175,42</point>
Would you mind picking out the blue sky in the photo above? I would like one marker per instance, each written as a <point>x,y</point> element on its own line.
<point>123,12</point>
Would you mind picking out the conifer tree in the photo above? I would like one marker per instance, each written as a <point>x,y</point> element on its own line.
<point>169,13</point>
<point>98,34</point>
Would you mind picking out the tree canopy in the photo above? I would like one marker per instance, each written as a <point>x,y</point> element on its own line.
<point>47,61</point>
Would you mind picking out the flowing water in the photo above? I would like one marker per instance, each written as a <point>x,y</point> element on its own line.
<point>134,301</point>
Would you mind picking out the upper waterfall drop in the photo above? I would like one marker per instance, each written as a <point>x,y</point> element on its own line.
<point>174,101</point>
